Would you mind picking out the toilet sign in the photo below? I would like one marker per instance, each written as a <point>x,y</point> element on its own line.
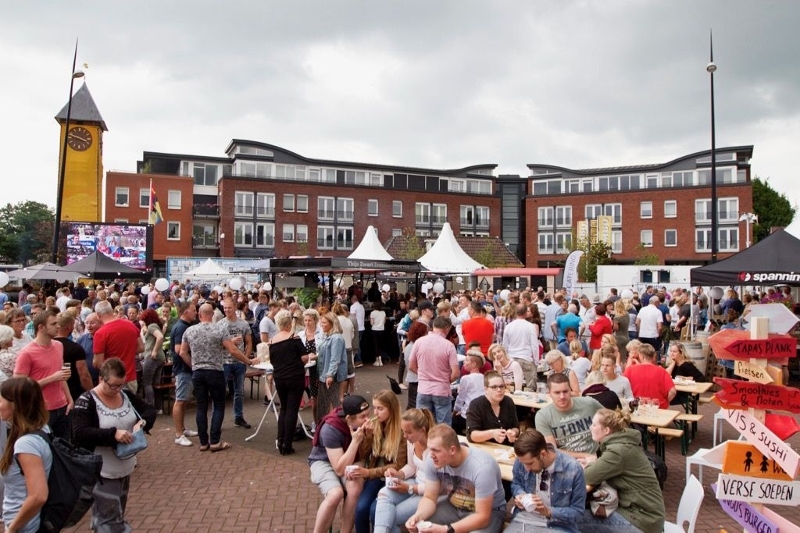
<point>744,459</point>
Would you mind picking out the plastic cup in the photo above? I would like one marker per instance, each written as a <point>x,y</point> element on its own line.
<point>527,503</point>
<point>392,482</point>
<point>349,469</point>
<point>424,525</point>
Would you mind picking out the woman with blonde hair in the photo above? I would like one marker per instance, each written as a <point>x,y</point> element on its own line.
<point>581,364</point>
<point>395,505</point>
<point>288,355</point>
<point>559,364</point>
<point>620,325</point>
<point>308,334</point>
<point>383,448</point>
<point>510,369</point>
<point>622,463</point>
<point>596,388</point>
<point>678,364</point>
<point>22,408</point>
<point>331,363</point>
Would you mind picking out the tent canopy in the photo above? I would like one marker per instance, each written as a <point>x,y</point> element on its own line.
<point>42,271</point>
<point>371,248</point>
<point>447,257</point>
<point>97,265</point>
<point>771,261</point>
<point>208,270</point>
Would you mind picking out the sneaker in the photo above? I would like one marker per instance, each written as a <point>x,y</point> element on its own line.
<point>189,433</point>
<point>378,363</point>
<point>183,441</point>
<point>242,423</point>
<point>359,364</point>
<point>404,386</point>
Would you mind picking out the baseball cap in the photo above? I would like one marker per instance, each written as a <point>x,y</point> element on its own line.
<point>425,304</point>
<point>352,405</point>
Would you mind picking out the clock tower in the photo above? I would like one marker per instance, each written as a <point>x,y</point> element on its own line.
<point>83,175</point>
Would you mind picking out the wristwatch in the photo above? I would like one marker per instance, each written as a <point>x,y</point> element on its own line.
<point>411,489</point>
<point>450,528</point>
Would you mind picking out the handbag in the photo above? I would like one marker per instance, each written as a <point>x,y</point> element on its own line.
<point>394,385</point>
<point>127,450</point>
<point>604,500</point>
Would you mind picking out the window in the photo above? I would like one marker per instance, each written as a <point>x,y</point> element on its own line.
<point>325,237</point>
<point>682,179</point>
<point>121,197</point>
<point>204,235</point>
<point>609,183</point>
<point>455,185</point>
<point>173,199</point>
<point>467,215</point>
<point>265,235</point>
<point>702,240</point>
<point>728,240</point>
<point>702,211</point>
<point>546,243</point>
<point>573,186</point>
<point>671,237</point>
<point>313,174</point>
<point>205,174</point>
<point>439,214</point>
<point>588,185</point>
<point>614,211</point>
<point>616,241</point>
<point>288,203</point>
<point>564,216</point>
<point>397,208</point>
<point>243,234</point>
<point>326,208</point>
<point>477,216</point>
<point>344,238</point>
<point>265,205</point>
<point>302,203</point>
<point>288,233</point>
<point>482,216</point>
<point>144,198</point>
<point>397,232</point>
<point>372,208</point>
<point>344,209</point>
<point>646,237</point>
<point>301,233</point>
<point>173,231</point>
<point>728,209</point>
<point>670,209</point>
<point>563,242</point>
<point>646,210</point>
<point>652,181</point>
<point>243,204</point>
<point>593,211</point>
<point>422,213</point>
<point>329,176</point>
<point>545,217</point>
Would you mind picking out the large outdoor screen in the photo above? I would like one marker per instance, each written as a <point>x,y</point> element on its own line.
<point>130,244</point>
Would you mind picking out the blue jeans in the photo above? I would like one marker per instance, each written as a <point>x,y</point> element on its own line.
<point>615,523</point>
<point>357,355</point>
<point>365,503</point>
<point>235,372</point>
<point>209,384</point>
<point>394,509</point>
<point>440,406</point>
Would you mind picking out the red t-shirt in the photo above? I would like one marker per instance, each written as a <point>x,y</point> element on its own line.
<point>478,329</point>
<point>650,381</point>
<point>119,338</point>
<point>39,362</point>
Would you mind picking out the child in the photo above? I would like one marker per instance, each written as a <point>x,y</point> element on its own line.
<point>469,388</point>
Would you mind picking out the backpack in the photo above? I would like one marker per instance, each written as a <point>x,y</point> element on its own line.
<point>73,475</point>
<point>659,467</point>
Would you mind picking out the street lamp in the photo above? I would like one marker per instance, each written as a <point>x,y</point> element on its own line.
<point>711,68</point>
<point>59,195</point>
<point>748,218</point>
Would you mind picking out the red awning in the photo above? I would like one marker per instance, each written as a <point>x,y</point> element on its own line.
<point>517,272</point>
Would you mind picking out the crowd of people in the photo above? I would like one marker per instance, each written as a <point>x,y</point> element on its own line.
<point>86,361</point>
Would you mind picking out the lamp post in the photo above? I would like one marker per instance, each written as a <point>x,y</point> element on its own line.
<point>62,169</point>
<point>711,68</point>
<point>748,218</point>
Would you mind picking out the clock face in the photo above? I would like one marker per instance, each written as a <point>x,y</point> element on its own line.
<point>79,138</point>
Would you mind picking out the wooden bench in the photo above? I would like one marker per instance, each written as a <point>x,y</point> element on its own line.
<point>688,423</point>
<point>662,434</point>
<point>254,375</point>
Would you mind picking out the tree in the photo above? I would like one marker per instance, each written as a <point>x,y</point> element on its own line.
<point>486,257</point>
<point>26,232</point>
<point>644,258</point>
<point>772,208</point>
<point>594,254</point>
<point>412,248</point>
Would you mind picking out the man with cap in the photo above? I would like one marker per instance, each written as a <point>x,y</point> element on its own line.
<point>334,448</point>
<point>426,313</point>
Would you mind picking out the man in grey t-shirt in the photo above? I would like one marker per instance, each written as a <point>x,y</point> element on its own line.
<point>566,423</point>
<point>206,344</point>
<point>469,479</point>
<point>239,330</point>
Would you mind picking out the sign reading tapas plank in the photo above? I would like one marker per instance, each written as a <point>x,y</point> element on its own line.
<point>748,489</point>
<point>746,515</point>
<point>737,344</point>
<point>762,438</point>
<point>747,370</point>
<point>744,459</point>
<point>751,395</point>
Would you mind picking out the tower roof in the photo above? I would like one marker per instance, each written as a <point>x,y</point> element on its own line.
<point>83,109</point>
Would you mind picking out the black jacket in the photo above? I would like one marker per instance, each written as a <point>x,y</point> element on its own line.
<point>86,432</point>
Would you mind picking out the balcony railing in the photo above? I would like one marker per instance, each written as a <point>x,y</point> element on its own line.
<point>265,212</point>
<point>205,210</point>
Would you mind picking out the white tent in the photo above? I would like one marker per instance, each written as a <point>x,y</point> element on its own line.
<point>370,248</point>
<point>208,270</point>
<point>447,257</point>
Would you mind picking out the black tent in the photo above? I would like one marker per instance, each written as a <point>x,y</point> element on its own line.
<point>97,265</point>
<point>771,261</point>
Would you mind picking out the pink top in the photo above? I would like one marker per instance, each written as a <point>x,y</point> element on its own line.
<point>435,356</point>
<point>38,362</point>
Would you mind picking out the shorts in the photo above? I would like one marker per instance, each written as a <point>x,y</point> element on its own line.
<point>323,475</point>
<point>183,386</point>
<point>351,365</point>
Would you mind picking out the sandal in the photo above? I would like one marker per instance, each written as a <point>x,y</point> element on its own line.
<point>221,446</point>
<point>204,447</point>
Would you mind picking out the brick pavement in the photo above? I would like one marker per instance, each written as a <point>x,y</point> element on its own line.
<point>252,488</point>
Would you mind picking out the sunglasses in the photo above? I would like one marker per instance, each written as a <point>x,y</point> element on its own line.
<point>543,479</point>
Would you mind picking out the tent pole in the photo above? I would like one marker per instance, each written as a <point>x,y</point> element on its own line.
<point>330,289</point>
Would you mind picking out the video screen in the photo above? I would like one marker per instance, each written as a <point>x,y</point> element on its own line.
<point>127,243</point>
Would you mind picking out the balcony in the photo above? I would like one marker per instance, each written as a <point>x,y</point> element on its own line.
<point>208,243</point>
<point>265,212</point>
<point>467,222</point>
<point>205,210</point>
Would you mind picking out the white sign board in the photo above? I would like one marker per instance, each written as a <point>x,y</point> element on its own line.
<point>781,319</point>
<point>748,489</point>
<point>765,440</point>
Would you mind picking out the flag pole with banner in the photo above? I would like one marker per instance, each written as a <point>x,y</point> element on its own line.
<point>571,271</point>
<point>155,215</point>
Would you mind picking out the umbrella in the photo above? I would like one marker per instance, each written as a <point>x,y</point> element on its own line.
<point>42,271</point>
<point>98,265</point>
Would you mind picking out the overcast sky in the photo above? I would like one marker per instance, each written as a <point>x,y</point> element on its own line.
<point>435,84</point>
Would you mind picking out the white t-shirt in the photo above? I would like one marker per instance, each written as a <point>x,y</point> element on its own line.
<point>378,320</point>
<point>357,310</point>
<point>650,320</point>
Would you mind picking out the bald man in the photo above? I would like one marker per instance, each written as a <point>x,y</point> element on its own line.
<point>205,345</point>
